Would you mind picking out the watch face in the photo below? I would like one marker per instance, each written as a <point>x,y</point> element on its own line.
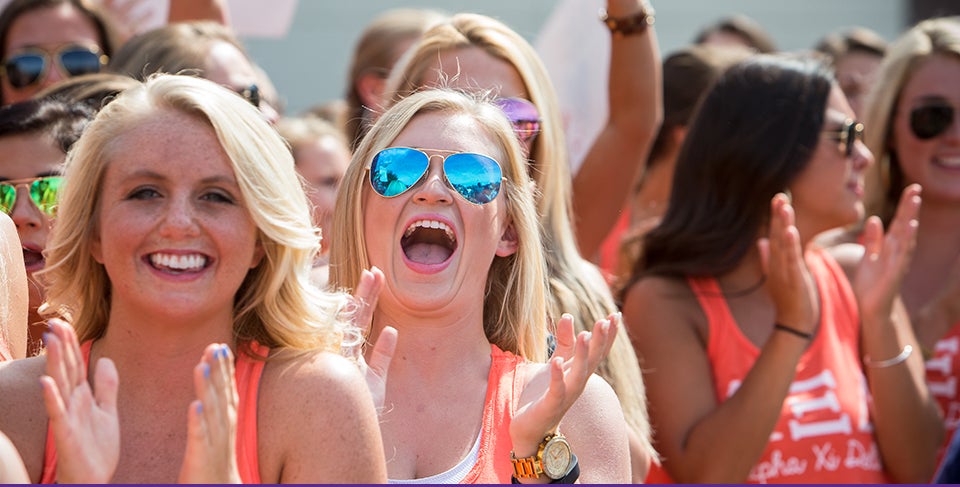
<point>556,458</point>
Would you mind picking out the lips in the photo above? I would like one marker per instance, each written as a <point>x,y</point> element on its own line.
<point>428,242</point>
<point>948,162</point>
<point>178,263</point>
<point>33,258</point>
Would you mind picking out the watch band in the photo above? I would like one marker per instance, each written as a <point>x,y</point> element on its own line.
<point>569,478</point>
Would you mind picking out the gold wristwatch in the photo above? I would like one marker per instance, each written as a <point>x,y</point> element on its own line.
<point>553,458</point>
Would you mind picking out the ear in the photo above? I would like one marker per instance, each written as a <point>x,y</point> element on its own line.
<point>96,249</point>
<point>370,88</point>
<point>258,254</point>
<point>509,242</point>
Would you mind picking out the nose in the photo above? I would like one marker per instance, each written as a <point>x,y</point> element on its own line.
<point>862,156</point>
<point>269,113</point>
<point>54,76</point>
<point>434,190</point>
<point>25,214</point>
<point>179,220</point>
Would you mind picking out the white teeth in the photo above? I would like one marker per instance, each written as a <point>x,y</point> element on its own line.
<point>179,262</point>
<point>435,224</point>
<point>950,161</point>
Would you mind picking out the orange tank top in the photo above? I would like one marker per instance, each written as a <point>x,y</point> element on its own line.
<point>248,371</point>
<point>943,372</point>
<point>825,431</point>
<point>504,385</point>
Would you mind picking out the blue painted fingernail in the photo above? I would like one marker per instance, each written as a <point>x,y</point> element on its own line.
<point>206,371</point>
<point>199,407</point>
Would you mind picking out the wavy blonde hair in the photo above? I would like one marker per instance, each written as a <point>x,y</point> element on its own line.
<point>575,285</point>
<point>275,305</point>
<point>885,180</point>
<point>514,308</point>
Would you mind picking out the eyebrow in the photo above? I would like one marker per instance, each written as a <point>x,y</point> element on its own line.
<point>931,98</point>
<point>148,174</point>
<point>44,174</point>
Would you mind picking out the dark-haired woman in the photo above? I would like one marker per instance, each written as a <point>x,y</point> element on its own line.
<point>769,359</point>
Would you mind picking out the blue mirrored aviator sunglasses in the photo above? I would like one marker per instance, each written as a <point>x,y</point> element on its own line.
<point>395,170</point>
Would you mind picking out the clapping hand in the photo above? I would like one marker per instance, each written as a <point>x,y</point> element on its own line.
<point>211,453</point>
<point>886,257</point>
<point>573,362</point>
<point>375,369</point>
<point>83,419</point>
<point>788,280</point>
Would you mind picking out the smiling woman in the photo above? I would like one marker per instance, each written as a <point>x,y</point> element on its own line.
<point>187,219</point>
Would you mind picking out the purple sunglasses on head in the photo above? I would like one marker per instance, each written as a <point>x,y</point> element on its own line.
<point>523,115</point>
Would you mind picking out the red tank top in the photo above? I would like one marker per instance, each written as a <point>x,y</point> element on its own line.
<point>825,432</point>
<point>248,371</point>
<point>943,371</point>
<point>504,385</point>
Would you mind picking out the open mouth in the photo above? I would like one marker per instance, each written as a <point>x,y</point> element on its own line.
<point>178,264</point>
<point>428,242</point>
<point>32,259</point>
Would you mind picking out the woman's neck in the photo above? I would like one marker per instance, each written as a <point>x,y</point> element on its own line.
<point>432,343</point>
<point>132,335</point>
<point>936,255</point>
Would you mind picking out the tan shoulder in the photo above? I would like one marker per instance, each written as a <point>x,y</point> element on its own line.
<point>316,421</point>
<point>658,296</point>
<point>320,377</point>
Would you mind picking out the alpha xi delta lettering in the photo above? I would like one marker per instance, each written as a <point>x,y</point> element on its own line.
<point>828,458</point>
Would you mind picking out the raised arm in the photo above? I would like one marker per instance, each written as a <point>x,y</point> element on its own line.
<point>700,439</point>
<point>617,156</point>
<point>188,10</point>
<point>908,425</point>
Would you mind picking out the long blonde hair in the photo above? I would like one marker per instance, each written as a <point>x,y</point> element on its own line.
<point>575,285</point>
<point>515,300</point>
<point>884,180</point>
<point>275,305</point>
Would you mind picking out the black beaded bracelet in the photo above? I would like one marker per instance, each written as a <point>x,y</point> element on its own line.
<point>631,24</point>
<point>793,331</point>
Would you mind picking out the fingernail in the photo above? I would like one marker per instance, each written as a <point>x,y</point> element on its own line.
<point>206,371</point>
<point>200,407</point>
<point>46,337</point>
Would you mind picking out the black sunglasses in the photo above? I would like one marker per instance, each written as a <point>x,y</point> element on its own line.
<point>31,65</point>
<point>847,135</point>
<point>251,94</point>
<point>929,121</point>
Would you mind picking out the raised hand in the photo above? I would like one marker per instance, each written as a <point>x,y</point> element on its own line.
<point>886,258</point>
<point>788,280</point>
<point>376,363</point>
<point>84,420</point>
<point>211,454</point>
<point>568,372</point>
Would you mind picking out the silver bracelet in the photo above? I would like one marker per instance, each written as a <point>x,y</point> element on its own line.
<point>890,362</point>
